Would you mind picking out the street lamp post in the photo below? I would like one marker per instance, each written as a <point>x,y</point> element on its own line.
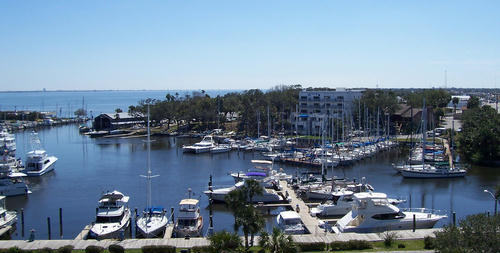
<point>493,196</point>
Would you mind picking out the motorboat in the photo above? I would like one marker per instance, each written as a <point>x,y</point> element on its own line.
<point>7,142</point>
<point>372,212</point>
<point>189,220</point>
<point>205,145</point>
<point>37,160</point>
<point>290,222</point>
<point>340,205</point>
<point>268,195</point>
<point>221,148</point>
<point>7,218</point>
<point>153,220</point>
<point>113,216</point>
<point>13,184</point>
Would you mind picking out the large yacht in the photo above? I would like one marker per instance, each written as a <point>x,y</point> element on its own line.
<point>340,205</point>
<point>189,221</point>
<point>205,145</point>
<point>372,212</point>
<point>432,172</point>
<point>7,141</point>
<point>37,160</point>
<point>7,218</point>
<point>290,222</point>
<point>113,216</point>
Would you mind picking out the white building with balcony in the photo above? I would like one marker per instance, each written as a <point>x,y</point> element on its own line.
<point>317,106</point>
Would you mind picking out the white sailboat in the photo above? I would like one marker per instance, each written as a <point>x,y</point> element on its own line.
<point>153,220</point>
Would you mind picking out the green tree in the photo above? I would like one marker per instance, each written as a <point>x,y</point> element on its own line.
<point>455,100</point>
<point>80,112</point>
<point>278,242</point>
<point>118,110</point>
<point>479,140</point>
<point>476,233</point>
<point>224,241</point>
<point>473,102</point>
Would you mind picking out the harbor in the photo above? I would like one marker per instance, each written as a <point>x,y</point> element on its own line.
<point>116,163</point>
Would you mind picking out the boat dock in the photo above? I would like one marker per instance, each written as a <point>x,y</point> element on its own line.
<point>203,241</point>
<point>168,231</point>
<point>311,223</point>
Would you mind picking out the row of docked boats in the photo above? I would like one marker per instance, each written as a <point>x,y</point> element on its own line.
<point>114,216</point>
<point>12,169</point>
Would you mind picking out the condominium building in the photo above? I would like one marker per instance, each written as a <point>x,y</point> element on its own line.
<point>317,106</point>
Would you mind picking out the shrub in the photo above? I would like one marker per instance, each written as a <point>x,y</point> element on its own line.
<point>429,242</point>
<point>313,246</point>
<point>350,245</point>
<point>93,249</point>
<point>389,238</point>
<point>15,250</point>
<point>224,241</point>
<point>115,248</point>
<point>200,249</point>
<point>401,246</point>
<point>65,249</point>
<point>158,249</point>
<point>45,250</point>
<point>358,245</point>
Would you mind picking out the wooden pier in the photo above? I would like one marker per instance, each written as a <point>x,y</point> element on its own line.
<point>311,223</point>
<point>168,231</point>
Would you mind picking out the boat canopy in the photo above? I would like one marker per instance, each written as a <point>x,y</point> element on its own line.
<point>257,174</point>
<point>189,202</point>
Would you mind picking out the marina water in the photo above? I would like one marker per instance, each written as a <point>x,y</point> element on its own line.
<point>88,167</point>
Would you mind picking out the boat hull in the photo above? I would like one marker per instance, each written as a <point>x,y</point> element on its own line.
<point>431,174</point>
<point>50,167</point>
<point>190,232</point>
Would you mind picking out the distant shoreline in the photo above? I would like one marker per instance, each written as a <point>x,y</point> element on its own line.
<point>184,90</point>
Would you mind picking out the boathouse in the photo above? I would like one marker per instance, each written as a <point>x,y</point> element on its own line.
<point>112,121</point>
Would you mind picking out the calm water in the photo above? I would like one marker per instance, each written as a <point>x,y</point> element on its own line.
<point>65,103</point>
<point>87,167</point>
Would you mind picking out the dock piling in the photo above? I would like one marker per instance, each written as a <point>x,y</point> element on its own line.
<point>60,223</point>
<point>22,222</point>
<point>454,219</point>
<point>172,212</point>
<point>48,227</point>
<point>414,222</point>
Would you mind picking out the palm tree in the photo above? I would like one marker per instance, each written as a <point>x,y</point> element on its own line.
<point>279,242</point>
<point>235,200</point>
<point>222,241</point>
<point>250,221</point>
<point>252,188</point>
<point>455,103</point>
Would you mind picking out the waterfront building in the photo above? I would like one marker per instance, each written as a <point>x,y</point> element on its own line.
<point>315,106</point>
<point>112,121</point>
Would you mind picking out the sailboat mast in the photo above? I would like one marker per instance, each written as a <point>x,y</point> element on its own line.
<point>149,165</point>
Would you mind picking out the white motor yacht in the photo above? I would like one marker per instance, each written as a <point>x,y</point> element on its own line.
<point>12,184</point>
<point>221,148</point>
<point>7,218</point>
<point>268,196</point>
<point>37,160</point>
<point>340,205</point>
<point>290,222</point>
<point>205,145</point>
<point>7,142</point>
<point>372,212</point>
<point>189,220</point>
<point>113,216</point>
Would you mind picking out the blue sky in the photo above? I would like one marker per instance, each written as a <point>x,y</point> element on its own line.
<point>247,44</point>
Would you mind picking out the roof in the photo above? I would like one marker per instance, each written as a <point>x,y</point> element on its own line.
<point>288,215</point>
<point>189,202</point>
<point>370,195</point>
<point>406,112</point>
<point>121,115</point>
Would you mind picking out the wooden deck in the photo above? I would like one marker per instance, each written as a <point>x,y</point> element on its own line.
<point>168,231</point>
<point>311,223</point>
<point>194,242</point>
